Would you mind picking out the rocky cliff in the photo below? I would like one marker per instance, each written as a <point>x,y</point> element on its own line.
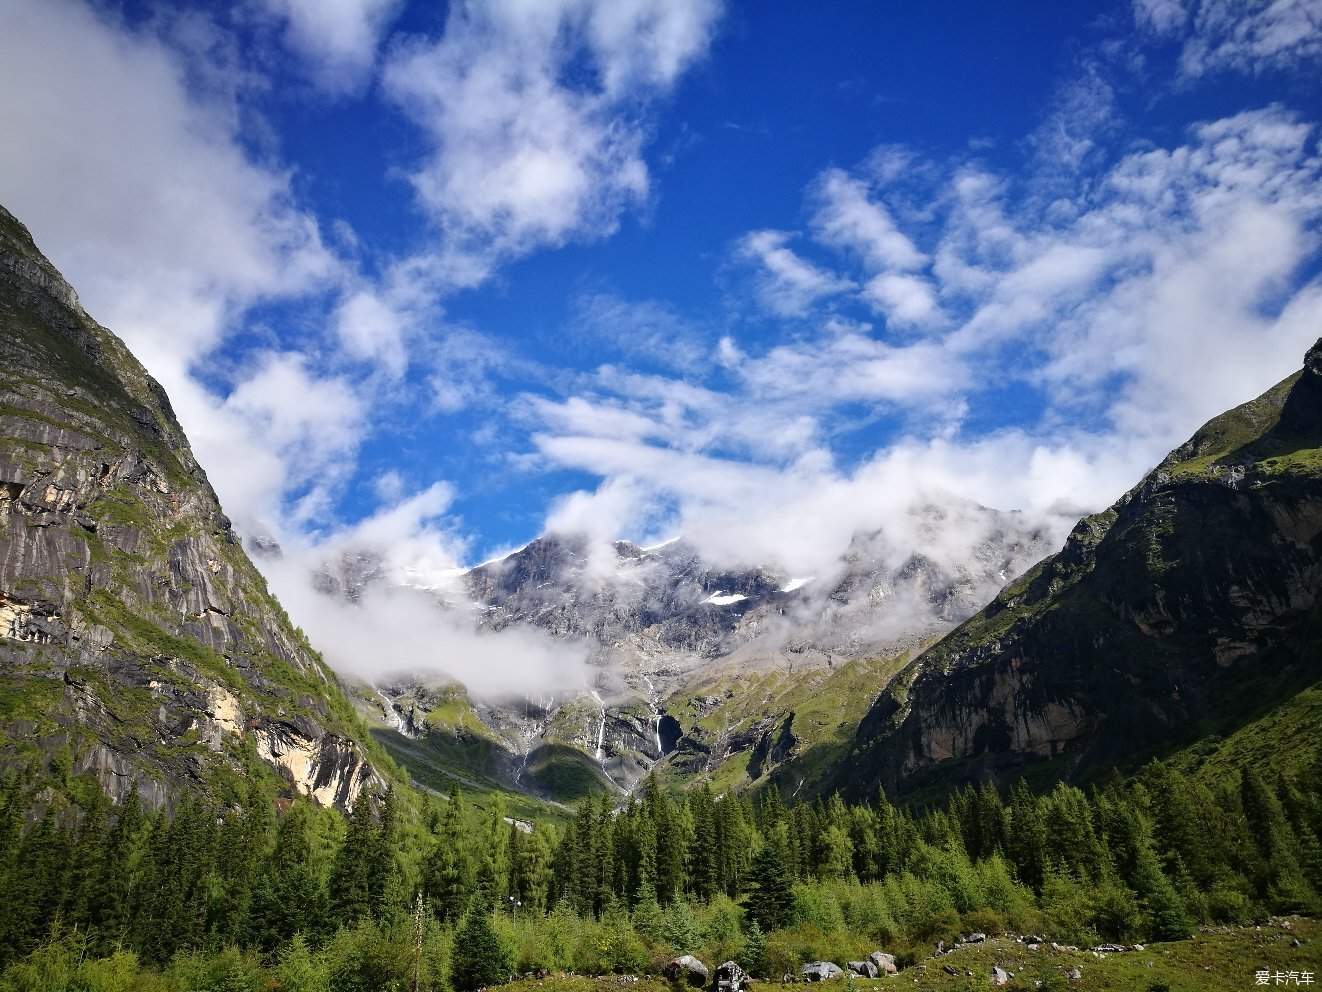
<point>138,644</point>
<point>1183,613</point>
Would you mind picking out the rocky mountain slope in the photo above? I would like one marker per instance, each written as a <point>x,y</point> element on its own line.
<point>1187,613</point>
<point>138,644</point>
<point>685,652</point>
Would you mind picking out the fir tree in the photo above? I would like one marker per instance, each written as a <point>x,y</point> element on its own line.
<point>351,883</point>
<point>770,896</point>
<point>480,958</point>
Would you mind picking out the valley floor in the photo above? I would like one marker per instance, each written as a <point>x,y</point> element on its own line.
<point>1218,959</point>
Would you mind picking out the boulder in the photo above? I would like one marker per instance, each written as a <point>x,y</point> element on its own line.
<point>950,969</point>
<point>973,938</point>
<point>730,978</point>
<point>885,963</point>
<point>688,970</point>
<point>1074,974</point>
<point>819,971</point>
<point>999,976</point>
<point>863,969</point>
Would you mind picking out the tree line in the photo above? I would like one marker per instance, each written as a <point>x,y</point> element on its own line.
<point>448,894</point>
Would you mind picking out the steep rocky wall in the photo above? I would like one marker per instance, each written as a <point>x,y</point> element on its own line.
<point>137,642</point>
<point>1188,608</point>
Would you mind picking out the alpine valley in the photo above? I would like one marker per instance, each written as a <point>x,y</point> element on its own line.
<point>141,645</point>
<point>956,734</point>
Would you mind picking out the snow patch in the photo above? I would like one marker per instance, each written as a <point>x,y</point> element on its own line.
<point>793,584</point>
<point>724,599</point>
<point>663,544</point>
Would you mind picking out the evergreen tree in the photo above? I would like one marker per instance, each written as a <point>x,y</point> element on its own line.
<point>754,957</point>
<point>351,884</point>
<point>770,895</point>
<point>288,897</point>
<point>480,958</point>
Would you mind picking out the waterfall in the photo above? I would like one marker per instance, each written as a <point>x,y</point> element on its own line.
<point>393,719</point>
<point>601,727</point>
<point>656,715</point>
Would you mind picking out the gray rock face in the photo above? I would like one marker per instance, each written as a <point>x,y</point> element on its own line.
<point>1204,578</point>
<point>863,969</point>
<point>687,970</point>
<point>819,971</point>
<point>884,963</point>
<point>999,976</point>
<point>139,634</point>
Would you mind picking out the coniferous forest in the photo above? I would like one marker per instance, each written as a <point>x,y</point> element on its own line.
<point>438,893</point>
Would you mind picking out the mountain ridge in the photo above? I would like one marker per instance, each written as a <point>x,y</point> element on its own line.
<point>1141,635</point>
<point>138,644</point>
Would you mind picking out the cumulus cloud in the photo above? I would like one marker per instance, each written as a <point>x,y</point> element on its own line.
<point>1094,312</point>
<point>337,39</point>
<point>118,198</point>
<point>126,159</point>
<point>786,283</point>
<point>525,152</point>
<point>1248,36</point>
<point>121,151</point>
<point>371,329</point>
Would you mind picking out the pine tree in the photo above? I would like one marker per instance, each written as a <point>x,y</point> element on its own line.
<point>115,887</point>
<point>288,897</point>
<point>351,884</point>
<point>479,958</point>
<point>754,957</point>
<point>770,896</point>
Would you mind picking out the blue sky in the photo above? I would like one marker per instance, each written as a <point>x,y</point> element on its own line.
<point>438,278</point>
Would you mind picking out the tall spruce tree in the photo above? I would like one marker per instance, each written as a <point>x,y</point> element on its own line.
<point>770,894</point>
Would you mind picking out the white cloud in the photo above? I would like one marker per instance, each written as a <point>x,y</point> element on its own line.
<point>647,330</point>
<point>846,218</point>
<point>400,627</point>
<point>1248,36</point>
<point>787,284</point>
<point>128,166</point>
<point>1168,292</point>
<point>117,166</point>
<point>1161,16</point>
<point>905,299</point>
<point>523,157</point>
<point>371,329</point>
<point>338,39</point>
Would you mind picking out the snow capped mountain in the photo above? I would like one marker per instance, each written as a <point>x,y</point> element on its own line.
<point>656,620</point>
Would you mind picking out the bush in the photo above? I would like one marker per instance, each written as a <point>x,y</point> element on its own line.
<point>1117,913</point>
<point>987,921</point>
<point>722,932</point>
<point>866,911</point>
<point>299,970</point>
<point>1067,908</point>
<point>228,971</point>
<point>366,958</point>
<point>816,906</point>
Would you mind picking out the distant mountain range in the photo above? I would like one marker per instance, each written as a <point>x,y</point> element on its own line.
<point>659,622</point>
